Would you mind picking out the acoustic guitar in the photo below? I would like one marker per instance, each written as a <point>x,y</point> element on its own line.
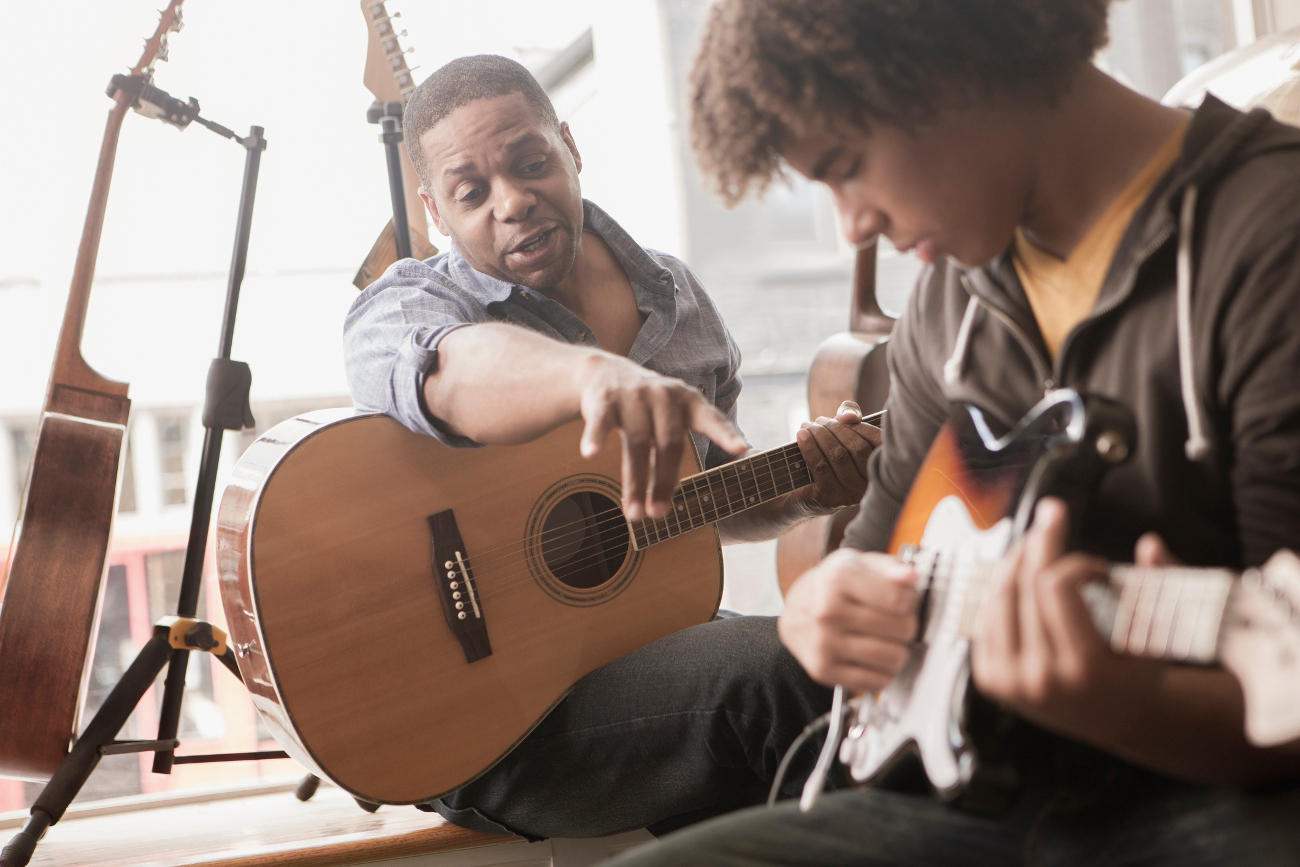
<point>55,574</point>
<point>389,79</point>
<point>404,613</point>
<point>973,495</point>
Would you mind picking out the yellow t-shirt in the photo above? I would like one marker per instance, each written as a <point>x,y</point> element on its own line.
<point>1063,291</point>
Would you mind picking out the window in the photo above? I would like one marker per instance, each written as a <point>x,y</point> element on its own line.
<point>172,437</point>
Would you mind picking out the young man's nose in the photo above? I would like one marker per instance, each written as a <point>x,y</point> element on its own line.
<point>861,225</point>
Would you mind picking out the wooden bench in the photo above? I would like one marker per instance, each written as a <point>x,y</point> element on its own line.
<point>268,825</point>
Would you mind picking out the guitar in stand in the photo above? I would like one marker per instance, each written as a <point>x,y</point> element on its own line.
<point>55,575</point>
<point>389,80</point>
<point>225,408</point>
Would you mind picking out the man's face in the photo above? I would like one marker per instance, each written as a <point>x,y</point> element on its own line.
<point>956,187</point>
<point>503,185</point>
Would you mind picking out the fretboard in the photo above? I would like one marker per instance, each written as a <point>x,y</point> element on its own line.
<point>719,493</point>
<point>1173,613</point>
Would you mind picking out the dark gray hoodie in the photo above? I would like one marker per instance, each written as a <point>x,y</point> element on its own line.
<point>1214,388</point>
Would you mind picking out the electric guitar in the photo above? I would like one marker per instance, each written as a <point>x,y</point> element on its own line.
<point>389,79</point>
<point>55,574</point>
<point>404,613</point>
<point>972,497</point>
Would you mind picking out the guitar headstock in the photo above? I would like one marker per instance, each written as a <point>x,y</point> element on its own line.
<point>1260,645</point>
<point>386,76</point>
<point>155,47</point>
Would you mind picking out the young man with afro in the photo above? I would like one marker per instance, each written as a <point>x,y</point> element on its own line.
<point>1075,235</point>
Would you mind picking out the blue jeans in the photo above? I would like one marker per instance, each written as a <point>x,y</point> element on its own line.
<point>1123,816</point>
<point>688,727</point>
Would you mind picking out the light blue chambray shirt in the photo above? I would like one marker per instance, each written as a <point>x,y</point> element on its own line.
<point>392,331</point>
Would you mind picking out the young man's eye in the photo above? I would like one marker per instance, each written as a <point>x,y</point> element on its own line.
<point>533,167</point>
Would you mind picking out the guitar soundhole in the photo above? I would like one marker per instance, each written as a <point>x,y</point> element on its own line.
<point>584,540</point>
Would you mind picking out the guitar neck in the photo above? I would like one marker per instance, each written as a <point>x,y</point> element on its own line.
<point>716,494</point>
<point>1169,612</point>
<point>1173,613</point>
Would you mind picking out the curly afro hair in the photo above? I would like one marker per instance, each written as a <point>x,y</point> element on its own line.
<point>772,68</point>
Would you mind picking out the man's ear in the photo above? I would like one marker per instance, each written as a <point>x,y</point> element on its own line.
<point>432,208</point>
<point>567,137</point>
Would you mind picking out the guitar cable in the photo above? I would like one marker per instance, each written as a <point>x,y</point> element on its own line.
<point>817,777</point>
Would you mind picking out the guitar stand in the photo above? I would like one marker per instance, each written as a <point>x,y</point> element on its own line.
<point>226,407</point>
<point>389,117</point>
<point>171,635</point>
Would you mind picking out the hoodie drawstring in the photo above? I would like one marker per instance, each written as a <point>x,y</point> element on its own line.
<point>952,367</point>
<point>1197,445</point>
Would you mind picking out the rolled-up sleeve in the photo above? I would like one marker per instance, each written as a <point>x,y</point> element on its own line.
<point>390,343</point>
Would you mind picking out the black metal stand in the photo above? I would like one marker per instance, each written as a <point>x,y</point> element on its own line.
<point>171,635</point>
<point>226,407</point>
<point>389,117</point>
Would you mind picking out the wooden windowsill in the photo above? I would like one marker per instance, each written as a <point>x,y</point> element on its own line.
<point>262,825</point>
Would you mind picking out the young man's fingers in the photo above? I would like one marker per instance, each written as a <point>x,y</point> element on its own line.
<point>1151,550</point>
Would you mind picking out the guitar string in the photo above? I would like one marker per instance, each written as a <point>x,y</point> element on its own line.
<point>764,489</point>
<point>606,520</point>
<point>963,576</point>
<point>505,579</point>
<point>601,522</point>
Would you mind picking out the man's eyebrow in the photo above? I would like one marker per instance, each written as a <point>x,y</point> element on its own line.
<point>824,163</point>
<point>458,170</point>
<point>465,168</point>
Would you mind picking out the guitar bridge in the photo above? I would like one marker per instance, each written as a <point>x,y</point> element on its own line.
<point>461,606</point>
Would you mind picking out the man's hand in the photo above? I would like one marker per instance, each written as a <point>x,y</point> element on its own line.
<point>836,451</point>
<point>653,413</point>
<point>1037,650</point>
<point>849,620</point>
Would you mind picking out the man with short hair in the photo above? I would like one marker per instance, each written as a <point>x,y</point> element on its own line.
<point>1076,235</point>
<point>545,311</point>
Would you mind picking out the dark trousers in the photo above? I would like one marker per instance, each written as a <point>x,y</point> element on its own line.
<point>1122,816</point>
<point>685,728</point>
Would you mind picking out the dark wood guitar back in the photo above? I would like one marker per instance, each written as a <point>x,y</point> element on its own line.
<point>54,578</point>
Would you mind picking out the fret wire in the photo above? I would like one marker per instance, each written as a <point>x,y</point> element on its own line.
<point>1119,635</point>
<point>767,463</point>
<point>753,477</point>
<point>749,490</point>
<point>729,476</point>
<point>1194,596</point>
<point>1163,613</point>
<point>1142,615</point>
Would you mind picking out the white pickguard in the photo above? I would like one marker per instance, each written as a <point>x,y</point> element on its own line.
<point>922,708</point>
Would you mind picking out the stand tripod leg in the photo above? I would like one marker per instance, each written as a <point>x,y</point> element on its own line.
<point>86,752</point>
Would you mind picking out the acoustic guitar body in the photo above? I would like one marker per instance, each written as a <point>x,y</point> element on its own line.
<point>404,613</point>
<point>54,581</point>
